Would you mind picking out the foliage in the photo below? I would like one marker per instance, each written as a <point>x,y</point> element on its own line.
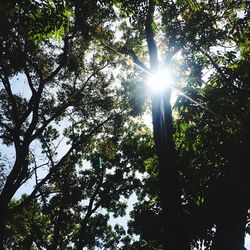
<point>211,133</point>
<point>79,103</point>
<point>69,114</point>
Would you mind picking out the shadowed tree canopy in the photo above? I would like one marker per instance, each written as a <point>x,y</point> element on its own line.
<point>72,95</point>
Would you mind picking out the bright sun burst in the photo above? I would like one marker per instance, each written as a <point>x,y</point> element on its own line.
<point>160,80</point>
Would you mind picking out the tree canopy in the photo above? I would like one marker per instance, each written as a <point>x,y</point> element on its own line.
<point>73,98</point>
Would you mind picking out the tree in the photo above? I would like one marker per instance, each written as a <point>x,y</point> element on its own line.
<point>69,84</point>
<point>195,30</point>
<point>74,207</point>
<point>142,15</point>
<point>213,136</point>
<point>70,112</point>
<point>218,153</point>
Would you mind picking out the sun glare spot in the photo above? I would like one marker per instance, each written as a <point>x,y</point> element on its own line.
<point>160,80</point>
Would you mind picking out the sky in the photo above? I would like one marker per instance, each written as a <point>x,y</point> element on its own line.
<point>26,188</point>
<point>19,85</point>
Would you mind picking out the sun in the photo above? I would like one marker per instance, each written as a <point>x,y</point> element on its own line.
<point>160,80</point>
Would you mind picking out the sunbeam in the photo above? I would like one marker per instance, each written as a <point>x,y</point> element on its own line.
<point>161,80</point>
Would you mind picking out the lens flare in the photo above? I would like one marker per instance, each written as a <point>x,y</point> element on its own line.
<point>160,80</point>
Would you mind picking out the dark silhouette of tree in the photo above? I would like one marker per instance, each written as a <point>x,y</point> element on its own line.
<point>72,134</point>
<point>197,30</point>
<point>69,116</point>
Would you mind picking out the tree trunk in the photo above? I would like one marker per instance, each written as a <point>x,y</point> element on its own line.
<point>4,201</point>
<point>2,225</point>
<point>231,226</point>
<point>13,182</point>
<point>170,195</point>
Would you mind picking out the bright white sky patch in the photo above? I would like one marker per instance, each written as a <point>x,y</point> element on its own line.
<point>160,80</point>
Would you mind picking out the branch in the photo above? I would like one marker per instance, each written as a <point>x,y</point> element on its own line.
<point>64,59</point>
<point>216,66</point>
<point>80,143</point>
<point>35,99</point>
<point>152,48</point>
<point>129,52</point>
<point>6,83</point>
<point>32,99</point>
<point>36,179</point>
<point>29,80</point>
<point>91,75</point>
<point>90,211</point>
<point>72,101</point>
<point>135,58</point>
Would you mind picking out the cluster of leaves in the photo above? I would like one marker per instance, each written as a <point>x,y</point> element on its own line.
<point>214,145</point>
<point>72,131</point>
<point>213,141</point>
<point>71,116</point>
<point>211,138</point>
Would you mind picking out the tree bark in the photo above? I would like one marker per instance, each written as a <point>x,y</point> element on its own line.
<point>13,182</point>
<point>232,219</point>
<point>231,224</point>
<point>174,225</point>
<point>170,194</point>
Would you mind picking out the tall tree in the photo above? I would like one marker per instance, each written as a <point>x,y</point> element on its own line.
<point>212,146</point>
<point>69,111</point>
<point>72,99</point>
<point>207,36</point>
<point>175,235</point>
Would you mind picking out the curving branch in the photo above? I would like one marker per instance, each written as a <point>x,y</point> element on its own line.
<point>216,66</point>
<point>7,87</point>
<point>81,142</point>
<point>90,211</point>
<point>135,58</point>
